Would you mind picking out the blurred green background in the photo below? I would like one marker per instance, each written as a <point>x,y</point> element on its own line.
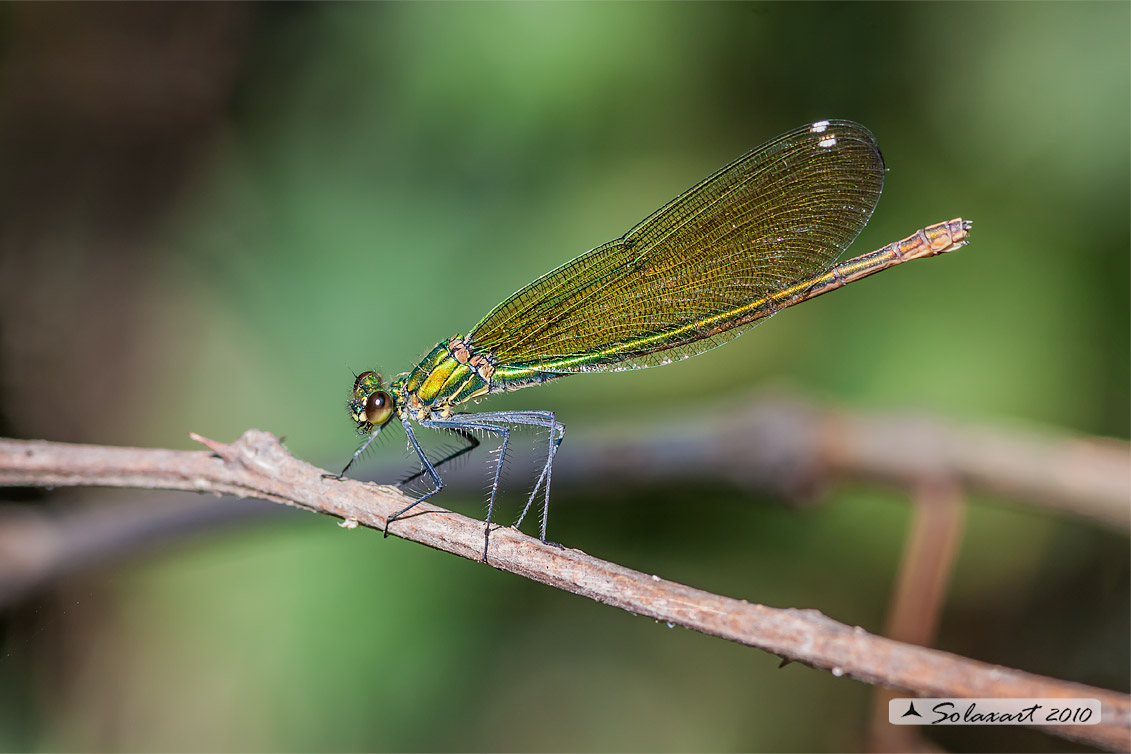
<point>211,213</point>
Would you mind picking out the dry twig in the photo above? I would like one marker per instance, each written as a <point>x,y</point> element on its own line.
<point>258,466</point>
<point>928,558</point>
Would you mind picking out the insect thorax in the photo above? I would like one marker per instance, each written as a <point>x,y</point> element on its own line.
<point>451,374</point>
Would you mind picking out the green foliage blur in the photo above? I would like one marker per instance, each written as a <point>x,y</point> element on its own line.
<point>212,213</point>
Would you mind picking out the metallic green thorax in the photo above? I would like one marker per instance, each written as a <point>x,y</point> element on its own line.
<point>442,380</point>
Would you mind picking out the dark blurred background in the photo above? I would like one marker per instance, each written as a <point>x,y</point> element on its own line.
<point>210,213</point>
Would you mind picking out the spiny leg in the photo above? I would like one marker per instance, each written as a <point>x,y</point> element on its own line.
<point>506,433</point>
<point>555,442</point>
<point>341,475</point>
<point>557,433</point>
<point>426,468</point>
<point>560,430</point>
<point>472,444</point>
<point>470,422</point>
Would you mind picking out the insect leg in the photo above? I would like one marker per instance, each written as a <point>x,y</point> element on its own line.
<point>462,423</point>
<point>472,444</point>
<point>557,433</point>
<point>354,457</point>
<point>426,468</point>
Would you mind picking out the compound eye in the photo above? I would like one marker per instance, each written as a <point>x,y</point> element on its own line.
<point>378,408</point>
<point>361,377</point>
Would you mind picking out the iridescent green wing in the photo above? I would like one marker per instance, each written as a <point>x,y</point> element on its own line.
<point>680,282</point>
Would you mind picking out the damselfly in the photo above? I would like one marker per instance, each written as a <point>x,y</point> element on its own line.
<point>762,234</point>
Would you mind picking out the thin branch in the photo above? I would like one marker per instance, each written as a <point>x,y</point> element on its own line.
<point>928,557</point>
<point>258,466</point>
<point>773,443</point>
<point>795,448</point>
<point>40,544</point>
